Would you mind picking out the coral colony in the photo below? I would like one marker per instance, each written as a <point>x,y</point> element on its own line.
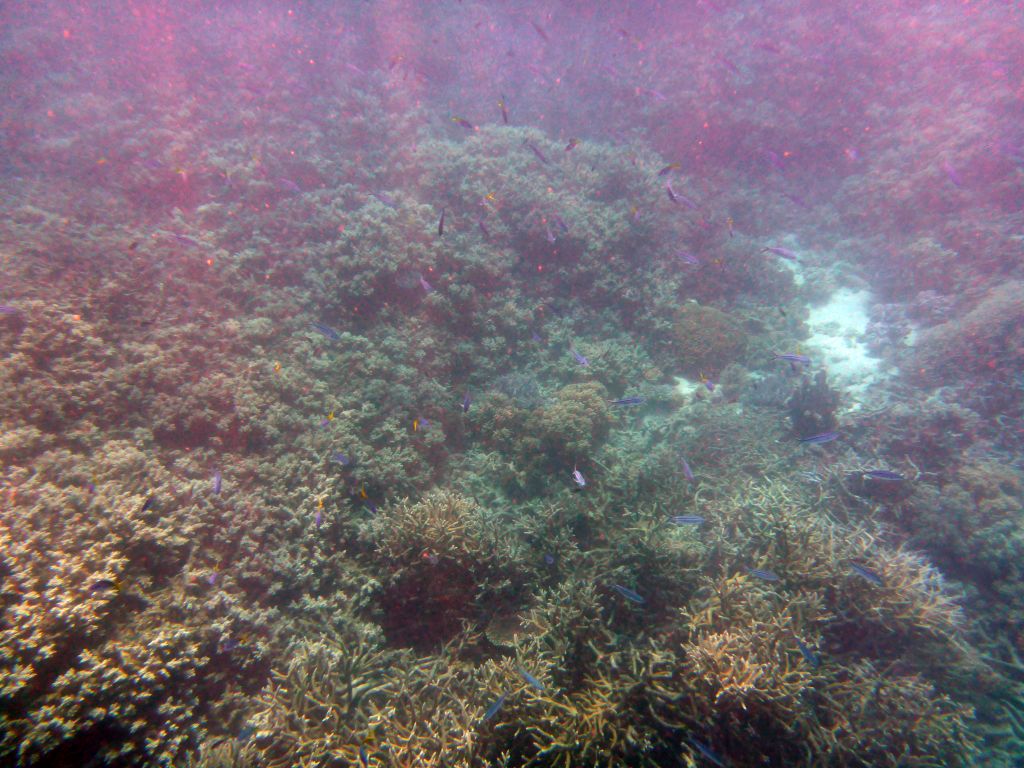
<point>468,385</point>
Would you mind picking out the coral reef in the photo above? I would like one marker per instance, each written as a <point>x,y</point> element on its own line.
<point>706,339</point>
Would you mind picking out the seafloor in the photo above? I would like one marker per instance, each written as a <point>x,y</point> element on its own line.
<point>351,418</point>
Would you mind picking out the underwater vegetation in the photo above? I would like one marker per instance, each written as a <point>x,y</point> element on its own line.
<point>396,418</point>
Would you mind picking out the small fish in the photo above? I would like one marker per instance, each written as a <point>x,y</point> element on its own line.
<point>483,229</point>
<point>386,199</point>
<point>430,556</point>
<point>707,752</point>
<point>7,310</point>
<point>687,471</point>
<point>671,193</point>
<point>573,143</point>
<point>669,168</point>
<point>466,402</point>
<point>504,111</point>
<point>246,733</point>
<point>629,594</point>
<point>536,151</point>
<point>290,186</point>
<point>579,358</point>
<point>533,681</point>
<point>549,559</point>
<point>184,239</point>
<point>540,31</point>
<point>341,458</point>
<point>882,474</point>
<point>440,224</point>
<point>427,287</point>
<point>687,520</point>
<point>709,385</point>
<point>628,401</point>
<point>216,482</point>
<point>688,258</point>
<point>792,357</point>
<point>550,235</point>
<point>318,518</point>
<point>951,174</point>
<point>494,708</point>
<point>867,574</point>
<point>148,503</point>
<point>762,574</point>
<point>326,330</point>
<point>105,585</point>
<point>578,478</point>
<point>784,253</point>
<point>824,437</point>
<point>561,223</point>
<point>463,123</point>
<point>813,659</point>
<point>212,578</point>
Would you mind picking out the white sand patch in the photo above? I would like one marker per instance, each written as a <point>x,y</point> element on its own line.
<point>836,342</point>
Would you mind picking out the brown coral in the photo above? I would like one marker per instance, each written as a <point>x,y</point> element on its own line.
<point>706,339</point>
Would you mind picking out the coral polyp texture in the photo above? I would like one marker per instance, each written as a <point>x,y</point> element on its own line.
<point>465,385</point>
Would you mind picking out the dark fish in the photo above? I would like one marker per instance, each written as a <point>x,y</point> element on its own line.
<point>628,401</point>
<point>105,585</point>
<point>671,193</point>
<point>867,574</point>
<point>466,402</point>
<point>216,481</point>
<point>494,708</point>
<point>341,458</point>
<point>533,681</point>
<point>792,357</point>
<point>686,520</point>
<point>504,111</point>
<point>707,752</point>
<point>184,239</point>
<point>677,198</point>
<point>463,123</point>
<point>134,245</point>
<point>561,223</point>
<point>440,224</point>
<point>483,229</point>
<point>824,437</point>
<point>573,143</point>
<point>540,31</point>
<point>687,471</point>
<point>813,659</point>
<point>326,330</point>
<point>537,152</point>
<point>784,253</point>
<point>629,594</point>
<point>763,575</point>
<point>363,757</point>
<point>246,733</point>
<point>882,474</point>
<point>148,503</point>
<point>669,168</point>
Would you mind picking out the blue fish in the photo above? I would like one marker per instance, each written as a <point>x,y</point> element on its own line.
<point>246,733</point>
<point>792,357</point>
<point>341,458</point>
<point>533,681</point>
<point>578,357</point>
<point>386,199</point>
<point>628,401</point>
<point>216,481</point>
<point>7,310</point>
<point>784,253</point>
<point>688,258</point>
<point>326,330</point>
<point>882,474</point>
<point>813,659</point>
<point>687,520</point>
<point>707,752</point>
<point>466,402</point>
<point>764,575</point>
<point>824,437</point>
<point>687,471</point>
<point>629,594</point>
<point>494,708</point>
<point>867,574</point>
